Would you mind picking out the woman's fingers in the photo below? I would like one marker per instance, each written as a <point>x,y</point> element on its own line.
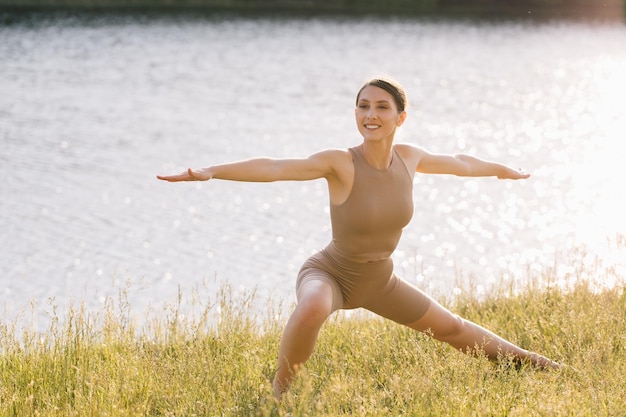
<point>183,176</point>
<point>189,175</point>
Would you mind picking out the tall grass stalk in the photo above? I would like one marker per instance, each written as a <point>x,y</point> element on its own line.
<point>104,364</point>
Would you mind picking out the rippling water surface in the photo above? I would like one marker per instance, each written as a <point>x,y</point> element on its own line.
<point>92,109</point>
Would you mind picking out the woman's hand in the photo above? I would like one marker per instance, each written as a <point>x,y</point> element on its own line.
<point>189,175</point>
<point>512,174</point>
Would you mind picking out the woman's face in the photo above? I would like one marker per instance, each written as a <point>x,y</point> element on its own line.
<point>376,114</point>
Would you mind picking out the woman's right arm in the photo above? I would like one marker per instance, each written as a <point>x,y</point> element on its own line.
<point>318,165</point>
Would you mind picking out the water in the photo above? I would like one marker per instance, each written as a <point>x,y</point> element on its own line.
<point>91,109</point>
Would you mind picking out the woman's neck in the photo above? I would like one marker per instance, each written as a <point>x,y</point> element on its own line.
<point>378,154</point>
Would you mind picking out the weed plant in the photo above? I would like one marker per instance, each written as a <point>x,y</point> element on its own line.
<point>102,364</point>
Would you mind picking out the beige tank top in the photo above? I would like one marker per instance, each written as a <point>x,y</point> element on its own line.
<point>368,225</point>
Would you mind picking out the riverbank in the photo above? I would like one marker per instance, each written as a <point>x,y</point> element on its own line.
<point>559,8</point>
<point>104,365</point>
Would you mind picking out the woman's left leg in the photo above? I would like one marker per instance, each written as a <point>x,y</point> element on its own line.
<point>469,337</point>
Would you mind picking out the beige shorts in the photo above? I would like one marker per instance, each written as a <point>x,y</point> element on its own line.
<point>369,285</point>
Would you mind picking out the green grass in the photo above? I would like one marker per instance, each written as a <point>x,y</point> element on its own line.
<point>102,364</point>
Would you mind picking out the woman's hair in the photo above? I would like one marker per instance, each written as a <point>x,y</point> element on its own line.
<point>390,86</point>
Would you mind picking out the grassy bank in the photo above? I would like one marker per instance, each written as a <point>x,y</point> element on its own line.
<point>101,364</point>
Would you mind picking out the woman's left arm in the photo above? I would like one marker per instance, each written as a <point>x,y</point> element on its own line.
<point>465,166</point>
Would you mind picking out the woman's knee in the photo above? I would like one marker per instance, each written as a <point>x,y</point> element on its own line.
<point>315,304</point>
<point>452,327</point>
<point>310,315</point>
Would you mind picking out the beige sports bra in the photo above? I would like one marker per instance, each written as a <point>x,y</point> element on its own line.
<point>368,225</point>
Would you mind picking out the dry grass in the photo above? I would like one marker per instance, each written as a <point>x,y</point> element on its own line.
<point>102,365</point>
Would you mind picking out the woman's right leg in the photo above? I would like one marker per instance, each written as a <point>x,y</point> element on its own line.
<point>315,304</point>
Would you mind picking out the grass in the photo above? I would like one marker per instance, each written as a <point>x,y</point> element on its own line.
<point>103,364</point>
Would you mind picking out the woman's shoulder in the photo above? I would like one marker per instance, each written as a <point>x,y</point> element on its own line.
<point>407,148</point>
<point>410,154</point>
<point>408,151</point>
<point>332,160</point>
<point>335,154</point>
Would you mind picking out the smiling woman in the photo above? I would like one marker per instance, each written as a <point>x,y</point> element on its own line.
<point>371,193</point>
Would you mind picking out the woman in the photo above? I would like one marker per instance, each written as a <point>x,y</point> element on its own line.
<point>370,191</point>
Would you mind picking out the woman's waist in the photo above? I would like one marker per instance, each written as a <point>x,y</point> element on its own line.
<point>340,252</point>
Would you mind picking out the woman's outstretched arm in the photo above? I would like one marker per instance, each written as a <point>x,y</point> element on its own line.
<point>465,166</point>
<point>316,166</point>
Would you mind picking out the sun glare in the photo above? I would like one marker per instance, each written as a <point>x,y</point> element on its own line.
<point>599,181</point>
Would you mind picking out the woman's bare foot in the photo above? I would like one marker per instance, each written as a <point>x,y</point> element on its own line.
<point>541,362</point>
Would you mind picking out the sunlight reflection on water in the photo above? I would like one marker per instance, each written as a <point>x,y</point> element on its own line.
<point>89,113</point>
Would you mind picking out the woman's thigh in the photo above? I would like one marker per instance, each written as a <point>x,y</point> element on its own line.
<point>400,302</point>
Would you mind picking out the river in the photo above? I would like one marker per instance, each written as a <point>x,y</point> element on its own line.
<point>92,108</point>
